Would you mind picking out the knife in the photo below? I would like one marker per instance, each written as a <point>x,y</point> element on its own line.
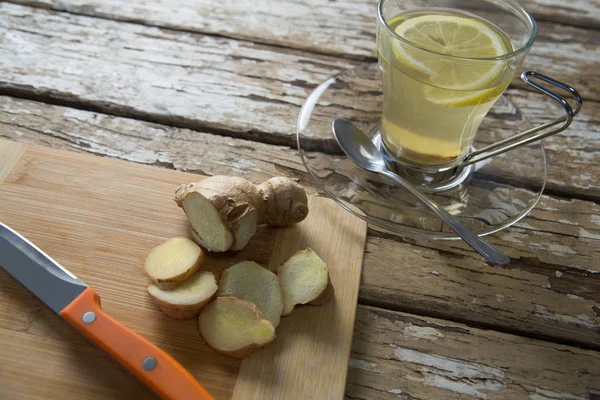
<point>79,305</point>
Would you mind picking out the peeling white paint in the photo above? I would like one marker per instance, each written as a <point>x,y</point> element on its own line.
<point>566,222</point>
<point>243,164</point>
<point>436,273</point>
<point>526,225</point>
<point>147,156</point>
<point>19,133</point>
<point>395,391</point>
<point>197,77</point>
<point>580,320</point>
<point>144,156</point>
<point>513,237</point>
<point>546,394</point>
<point>499,298</point>
<point>587,234</point>
<point>422,332</point>
<point>558,274</point>
<point>556,249</point>
<point>364,365</point>
<point>519,202</point>
<point>595,219</point>
<point>574,297</point>
<point>455,375</point>
<point>547,286</point>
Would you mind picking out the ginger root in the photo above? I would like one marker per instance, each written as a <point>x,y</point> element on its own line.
<point>173,261</point>
<point>225,211</point>
<point>251,282</point>
<point>304,279</point>
<point>189,298</point>
<point>234,327</point>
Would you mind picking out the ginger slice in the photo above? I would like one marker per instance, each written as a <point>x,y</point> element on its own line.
<point>234,327</point>
<point>208,226</point>
<point>304,279</point>
<point>225,211</point>
<point>189,298</point>
<point>173,261</point>
<point>249,281</point>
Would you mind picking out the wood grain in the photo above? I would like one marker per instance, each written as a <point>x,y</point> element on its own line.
<point>99,218</point>
<point>10,152</point>
<point>551,290</point>
<point>555,247</point>
<point>342,27</point>
<point>573,155</point>
<point>189,80</point>
<point>584,13</point>
<point>304,362</point>
<point>401,356</point>
<point>537,295</point>
<point>227,86</point>
<point>573,159</point>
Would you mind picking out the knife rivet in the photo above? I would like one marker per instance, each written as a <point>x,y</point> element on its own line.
<point>89,317</point>
<point>149,363</point>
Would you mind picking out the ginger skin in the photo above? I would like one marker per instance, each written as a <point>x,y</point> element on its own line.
<point>225,211</point>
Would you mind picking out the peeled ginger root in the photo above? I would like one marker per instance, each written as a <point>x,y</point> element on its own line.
<point>225,211</point>
<point>251,282</point>
<point>172,262</point>
<point>304,279</point>
<point>234,327</point>
<point>189,298</point>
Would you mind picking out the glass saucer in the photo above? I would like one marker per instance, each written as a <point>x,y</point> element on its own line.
<point>495,194</point>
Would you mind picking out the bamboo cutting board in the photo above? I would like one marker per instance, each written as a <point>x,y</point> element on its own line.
<point>99,218</point>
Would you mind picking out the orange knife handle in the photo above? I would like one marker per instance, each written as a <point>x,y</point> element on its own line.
<point>155,368</point>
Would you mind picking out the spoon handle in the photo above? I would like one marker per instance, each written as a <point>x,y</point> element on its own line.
<point>482,246</point>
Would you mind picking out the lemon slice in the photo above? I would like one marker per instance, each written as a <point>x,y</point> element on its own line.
<point>464,82</point>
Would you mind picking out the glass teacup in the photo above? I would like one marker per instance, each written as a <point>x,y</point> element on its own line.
<point>444,64</point>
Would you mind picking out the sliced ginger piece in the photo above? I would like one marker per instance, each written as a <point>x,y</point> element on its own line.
<point>189,298</point>
<point>234,327</point>
<point>173,261</point>
<point>208,227</point>
<point>225,211</point>
<point>304,279</point>
<point>249,281</point>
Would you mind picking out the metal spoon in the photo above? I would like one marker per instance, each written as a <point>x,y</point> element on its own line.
<point>357,145</point>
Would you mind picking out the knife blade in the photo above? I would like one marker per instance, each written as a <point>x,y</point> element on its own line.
<point>79,305</point>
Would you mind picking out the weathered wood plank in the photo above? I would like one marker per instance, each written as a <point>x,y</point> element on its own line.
<point>344,27</point>
<point>446,278</point>
<point>573,159</point>
<point>573,155</point>
<point>178,78</point>
<point>584,13</point>
<point>400,356</point>
<point>551,288</point>
<point>191,80</point>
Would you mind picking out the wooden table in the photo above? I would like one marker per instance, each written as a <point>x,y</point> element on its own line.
<point>214,87</point>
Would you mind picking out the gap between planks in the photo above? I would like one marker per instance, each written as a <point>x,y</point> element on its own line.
<point>474,324</point>
<point>344,55</point>
<point>176,122</point>
<point>131,113</point>
<point>540,16</point>
<point>481,324</point>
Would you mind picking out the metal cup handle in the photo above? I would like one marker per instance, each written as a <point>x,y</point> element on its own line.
<point>533,134</point>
